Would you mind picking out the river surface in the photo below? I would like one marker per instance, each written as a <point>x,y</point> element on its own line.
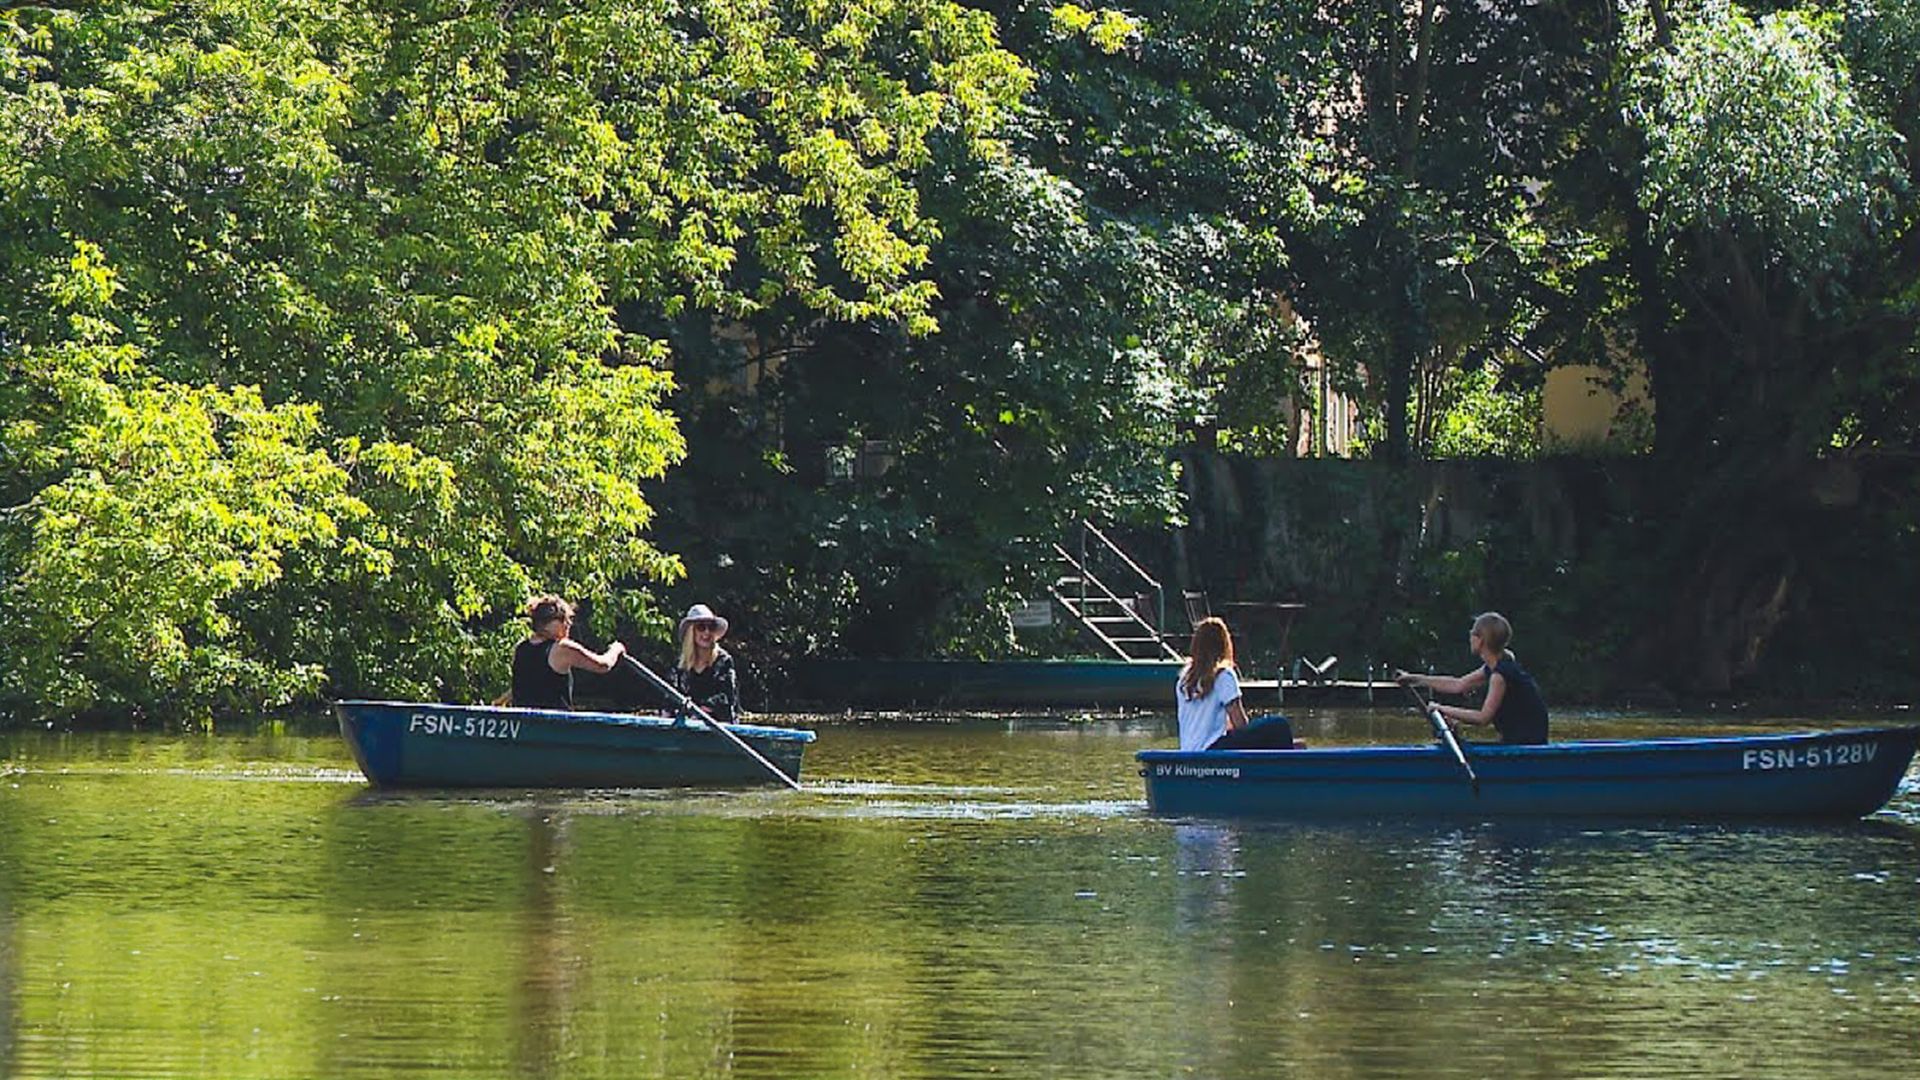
<point>949,898</point>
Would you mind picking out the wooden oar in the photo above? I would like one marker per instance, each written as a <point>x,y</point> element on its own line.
<point>686,702</point>
<point>1445,734</point>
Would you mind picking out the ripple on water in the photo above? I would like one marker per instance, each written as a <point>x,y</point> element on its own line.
<point>970,810</point>
<point>267,773</point>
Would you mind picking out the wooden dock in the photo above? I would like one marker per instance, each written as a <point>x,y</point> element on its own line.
<point>1269,692</point>
<point>1048,683</point>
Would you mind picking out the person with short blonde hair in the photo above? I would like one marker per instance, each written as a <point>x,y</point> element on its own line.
<point>1513,706</point>
<point>543,664</point>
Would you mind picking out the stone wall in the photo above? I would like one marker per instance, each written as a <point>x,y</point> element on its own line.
<point>1392,563</point>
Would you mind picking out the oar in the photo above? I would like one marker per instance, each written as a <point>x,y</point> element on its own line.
<point>686,702</point>
<point>1445,734</point>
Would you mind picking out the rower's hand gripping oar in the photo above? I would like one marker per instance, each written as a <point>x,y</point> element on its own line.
<point>687,703</point>
<point>1445,734</point>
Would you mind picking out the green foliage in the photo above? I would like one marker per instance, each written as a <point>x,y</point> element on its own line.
<point>1754,132</point>
<point>160,508</point>
<point>1110,280</point>
<point>314,343</point>
<point>1432,242</point>
<point>331,330</point>
<point>1448,585</point>
<point>1478,417</point>
<point>1108,30</point>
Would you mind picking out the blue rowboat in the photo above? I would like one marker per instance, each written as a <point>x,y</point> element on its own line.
<point>411,744</point>
<point>1839,774</point>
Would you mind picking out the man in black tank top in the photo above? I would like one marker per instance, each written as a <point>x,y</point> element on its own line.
<point>543,664</point>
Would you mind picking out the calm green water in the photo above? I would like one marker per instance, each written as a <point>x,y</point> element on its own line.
<point>952,899</point>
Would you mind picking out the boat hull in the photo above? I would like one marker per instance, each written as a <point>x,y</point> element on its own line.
<point>410,744</point>
<point>1840,774</point>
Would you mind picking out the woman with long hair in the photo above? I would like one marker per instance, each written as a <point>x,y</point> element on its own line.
<point>1513,706</point>
<point>1213,715</point>
<point>704,671</point>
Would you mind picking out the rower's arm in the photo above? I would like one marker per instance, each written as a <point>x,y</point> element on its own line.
<point>1445,684</point>
<point>1490,708</point>
<point>570,655</point>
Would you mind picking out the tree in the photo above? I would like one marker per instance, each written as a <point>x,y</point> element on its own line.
<point>1768,205</point>
<point>1112,281</point>
<point>1432,246</point>
<point>379,248</point>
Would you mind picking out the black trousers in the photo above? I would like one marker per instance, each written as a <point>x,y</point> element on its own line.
<point>1262,733</point>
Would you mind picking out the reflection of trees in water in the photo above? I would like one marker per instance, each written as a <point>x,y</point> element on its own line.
<point>418,941</point>
<point>1634,948</point>
<point>541,1001</point>
<point>9,980</point>
<point>1206,880</point>
<point>1302,942</point>
<point>675,941</point>
<point>10,842</point>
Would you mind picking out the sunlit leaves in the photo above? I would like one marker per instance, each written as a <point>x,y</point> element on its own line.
<point>173,501</point>
<point>1108,30</point>
<point>773,148</point>
<point>1753,129</point>
<point>383,257</point>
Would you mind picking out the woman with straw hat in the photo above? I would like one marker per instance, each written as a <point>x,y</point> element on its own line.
<point>705,670</point>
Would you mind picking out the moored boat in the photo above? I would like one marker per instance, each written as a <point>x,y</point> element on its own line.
<point>413,744</point>
<point>1838,774</point>
<point>972,684</point>
<point>1045,684</point>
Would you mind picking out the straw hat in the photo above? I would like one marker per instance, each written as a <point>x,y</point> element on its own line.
<point>696,614</point>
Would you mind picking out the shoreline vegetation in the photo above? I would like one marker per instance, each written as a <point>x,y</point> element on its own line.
<point>333,333</point>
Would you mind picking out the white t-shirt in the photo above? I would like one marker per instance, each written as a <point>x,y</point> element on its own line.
<point>1204,719</point>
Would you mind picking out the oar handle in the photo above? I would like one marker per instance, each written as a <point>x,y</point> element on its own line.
<point>1445,734</point>
<point>689,704</point>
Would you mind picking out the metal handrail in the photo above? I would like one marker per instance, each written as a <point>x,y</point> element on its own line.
<point>1159,593</point>
<point>1124,557</point>
<point>1105,592</point>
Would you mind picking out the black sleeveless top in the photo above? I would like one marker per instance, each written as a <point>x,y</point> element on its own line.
<point>1523,712</point>
<point>535,684</point>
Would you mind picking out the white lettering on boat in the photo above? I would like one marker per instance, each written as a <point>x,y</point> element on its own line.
<point>472,727</point>
<point>1230,772</point>
<point>1810,757</point>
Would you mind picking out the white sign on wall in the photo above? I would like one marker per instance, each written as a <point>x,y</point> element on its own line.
<point>1033,615</point>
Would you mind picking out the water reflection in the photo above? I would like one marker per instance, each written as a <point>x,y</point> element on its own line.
<point>545,977</point>
<point>9,979</point>
<point>1206,867</point>
<point>973,900</point>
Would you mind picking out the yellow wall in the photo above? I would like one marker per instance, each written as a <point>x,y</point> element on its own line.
<point>1578,409</point>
